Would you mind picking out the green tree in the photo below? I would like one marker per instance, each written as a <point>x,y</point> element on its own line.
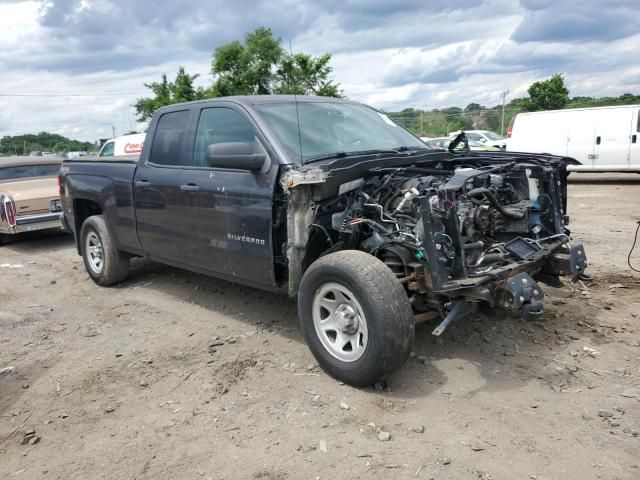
<point>182,88</point>
<point>167,93</point>
<point>41,142</point>
<point>473,108</point>
<point>146,107</point>
<point>492,119</point>
<point>60,147</point>
<point>302,74</point>
<point>256,66</point>
<point>246,68</point>
<point>548,94</point>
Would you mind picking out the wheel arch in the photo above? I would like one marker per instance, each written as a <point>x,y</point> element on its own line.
<point>83,208</point>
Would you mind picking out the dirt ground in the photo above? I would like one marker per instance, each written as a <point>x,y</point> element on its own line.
<point>174,375</point>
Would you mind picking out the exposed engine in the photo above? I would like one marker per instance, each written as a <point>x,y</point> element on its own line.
<point>447,234</point>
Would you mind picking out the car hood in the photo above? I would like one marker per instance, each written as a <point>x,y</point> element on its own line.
<point>366,162</point>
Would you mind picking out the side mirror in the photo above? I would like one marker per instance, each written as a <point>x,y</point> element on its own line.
<point>236,156</point>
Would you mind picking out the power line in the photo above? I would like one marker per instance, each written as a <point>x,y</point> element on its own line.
<point>439,109</point>
<point>447,115</point>
<point>495,110</point>
<point>112,94</point>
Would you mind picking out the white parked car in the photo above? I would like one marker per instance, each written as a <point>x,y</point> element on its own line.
<point>603,139</point>
<point>123,145</point>
<point>76,154</point>
<point>489,138</point>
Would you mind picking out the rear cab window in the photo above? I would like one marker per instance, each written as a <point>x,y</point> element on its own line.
<point>166,148</point>
<point>28,171</point>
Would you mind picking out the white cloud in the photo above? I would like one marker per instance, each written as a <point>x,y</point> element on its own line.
<point>389,54</point>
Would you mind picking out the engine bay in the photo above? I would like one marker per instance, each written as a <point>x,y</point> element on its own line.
<point>457,234</point>
<point>491,205</point>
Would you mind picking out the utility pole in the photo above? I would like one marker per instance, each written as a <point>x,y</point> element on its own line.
<point>421,122</point>
<point>113,131</point>
<point>504,98</point>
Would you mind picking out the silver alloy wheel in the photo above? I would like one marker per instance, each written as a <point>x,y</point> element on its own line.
<point>95,255</point>
<point>340,322</point>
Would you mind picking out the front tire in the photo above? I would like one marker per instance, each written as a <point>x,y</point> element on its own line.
<point>356,317</point>
<point>104,263</point>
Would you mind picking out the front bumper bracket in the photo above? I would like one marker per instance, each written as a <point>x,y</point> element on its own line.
<point>525,296</point>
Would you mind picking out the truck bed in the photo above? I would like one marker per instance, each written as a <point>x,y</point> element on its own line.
<point>104,184</point>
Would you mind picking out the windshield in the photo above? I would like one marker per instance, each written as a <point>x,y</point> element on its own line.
<point>493,136</point>
<point>314,130</point>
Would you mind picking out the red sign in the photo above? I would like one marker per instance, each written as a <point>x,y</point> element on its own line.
<point>133,148</point>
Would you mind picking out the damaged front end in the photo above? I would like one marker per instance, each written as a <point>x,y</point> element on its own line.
<point>457,231</point>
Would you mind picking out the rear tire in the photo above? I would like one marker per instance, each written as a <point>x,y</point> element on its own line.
<point>4,239</point>
<point>104,263</point>
<point>356,317</point>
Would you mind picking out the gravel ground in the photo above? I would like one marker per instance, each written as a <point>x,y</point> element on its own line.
<point>174,375</point>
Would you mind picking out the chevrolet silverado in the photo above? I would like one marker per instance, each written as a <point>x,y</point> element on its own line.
<point>332,202</point>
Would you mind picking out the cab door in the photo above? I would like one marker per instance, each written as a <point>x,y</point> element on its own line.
<point>230,211</point>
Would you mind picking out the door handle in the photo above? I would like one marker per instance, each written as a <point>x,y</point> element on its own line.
<point>634,137</point>
<point>190,187</point>
<point>142,183</point>
<point>598,140</point>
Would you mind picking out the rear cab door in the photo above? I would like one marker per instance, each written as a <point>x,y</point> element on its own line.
<point>158,198</point>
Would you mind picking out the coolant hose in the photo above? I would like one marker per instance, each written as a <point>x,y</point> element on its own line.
<point>476,192</point>
<point>377,226</point>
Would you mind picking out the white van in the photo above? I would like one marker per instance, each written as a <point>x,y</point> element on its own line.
<point>123,146</point>
<point>603,139</point>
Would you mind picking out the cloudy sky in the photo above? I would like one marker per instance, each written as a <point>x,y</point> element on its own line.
<point>390,54</point>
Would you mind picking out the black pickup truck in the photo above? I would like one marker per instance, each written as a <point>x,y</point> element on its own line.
<point>333,202</point>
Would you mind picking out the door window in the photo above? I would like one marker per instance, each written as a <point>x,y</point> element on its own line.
<point>167,141</point>
<point>107,150</point>
<point>221,125</point>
